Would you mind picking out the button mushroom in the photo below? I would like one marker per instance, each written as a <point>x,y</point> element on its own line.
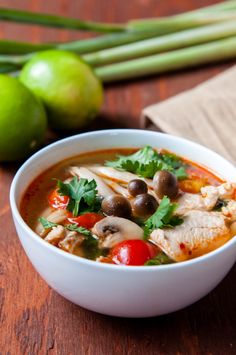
<point>112,230</point>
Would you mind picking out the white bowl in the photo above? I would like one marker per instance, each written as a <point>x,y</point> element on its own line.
<point>126,291</point>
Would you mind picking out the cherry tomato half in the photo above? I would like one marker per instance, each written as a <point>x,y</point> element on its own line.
<point>57,201</point>
<point>133,252</point>
<point>87,220</point>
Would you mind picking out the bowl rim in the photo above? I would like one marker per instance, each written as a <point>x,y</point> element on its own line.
<point>92,263</point>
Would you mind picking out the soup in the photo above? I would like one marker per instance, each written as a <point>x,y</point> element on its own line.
<point>131,207</point>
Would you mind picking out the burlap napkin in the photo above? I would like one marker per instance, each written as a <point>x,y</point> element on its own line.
<point>205,114</point>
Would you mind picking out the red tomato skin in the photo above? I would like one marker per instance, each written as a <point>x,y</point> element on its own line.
<point>154,250</point>
<point>132,252</point>
<point>87,220</point>
<point>56,200</point>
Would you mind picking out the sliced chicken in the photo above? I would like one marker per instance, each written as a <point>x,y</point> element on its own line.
<point>206,200</point>
<point>72,242</point>
<point>55,216</point>
<point>229,211</point>
<point>55,235</point>
<point>188,202</point>
<point>103,189</point>
<point>112,230</point>
<point>117,175</point>
<point>200,233</point>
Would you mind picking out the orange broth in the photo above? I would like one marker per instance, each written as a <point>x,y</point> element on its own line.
<point>35,199</point>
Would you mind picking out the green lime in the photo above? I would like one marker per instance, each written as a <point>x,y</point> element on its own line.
<point>68,88</point>
<point>23,120</point>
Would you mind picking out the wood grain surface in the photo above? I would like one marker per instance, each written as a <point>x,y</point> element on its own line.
<point>35,319</point>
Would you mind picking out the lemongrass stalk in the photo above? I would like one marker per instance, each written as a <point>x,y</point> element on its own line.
<point>15,47</point>
<point>183,58</point>
<point>162,23</point>
<point>81,46</point>
<point>8,68</point>
<point>106,41</point>
<point>145,47</point>
<point>27,17</point>
<point>162,44</point>
<point>165,25</point>
<point>15,60</point>
<point>220,6</point>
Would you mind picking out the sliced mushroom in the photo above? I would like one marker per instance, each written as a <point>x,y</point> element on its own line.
<point>72,242</point>
<point>55,235</point>
<point>112,230</point>
<point>85,173</point>
<point>116,175</point>
<point>57,216</point>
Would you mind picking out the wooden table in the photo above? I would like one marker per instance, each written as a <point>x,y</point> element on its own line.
<point>34,318</point>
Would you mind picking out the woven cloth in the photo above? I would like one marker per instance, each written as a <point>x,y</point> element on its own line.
<point>205,114</point>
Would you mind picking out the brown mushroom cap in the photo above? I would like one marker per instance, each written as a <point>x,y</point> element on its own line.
<point>165,184</point>
<point>116,205</point>
<point>144,205</point>
<point>137,187</point>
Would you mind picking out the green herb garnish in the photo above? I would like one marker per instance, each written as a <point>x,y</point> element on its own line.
<point>146,162</point>
<point>176,163</point>
<point>75,228</point>
<point>160,259</point>
<point>89,244</point>
<point>47,224</point>
<point>71,227</point>
<point>82,193</point>
<point>163,217</point>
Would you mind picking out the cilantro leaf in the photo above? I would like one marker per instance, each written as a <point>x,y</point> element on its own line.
<point>160,259</point>
<point>163,217</point>
<point>142,162</point>
<point>75,228</point>
<point>143,156</point>
<point>82,193</point>
<point>181,173</point>
<point>71,227</point>
<point>146,162</point>
<point>47,224</point>
<point>90,244</point>
<point>172,159</point>
<point>177,164</point>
